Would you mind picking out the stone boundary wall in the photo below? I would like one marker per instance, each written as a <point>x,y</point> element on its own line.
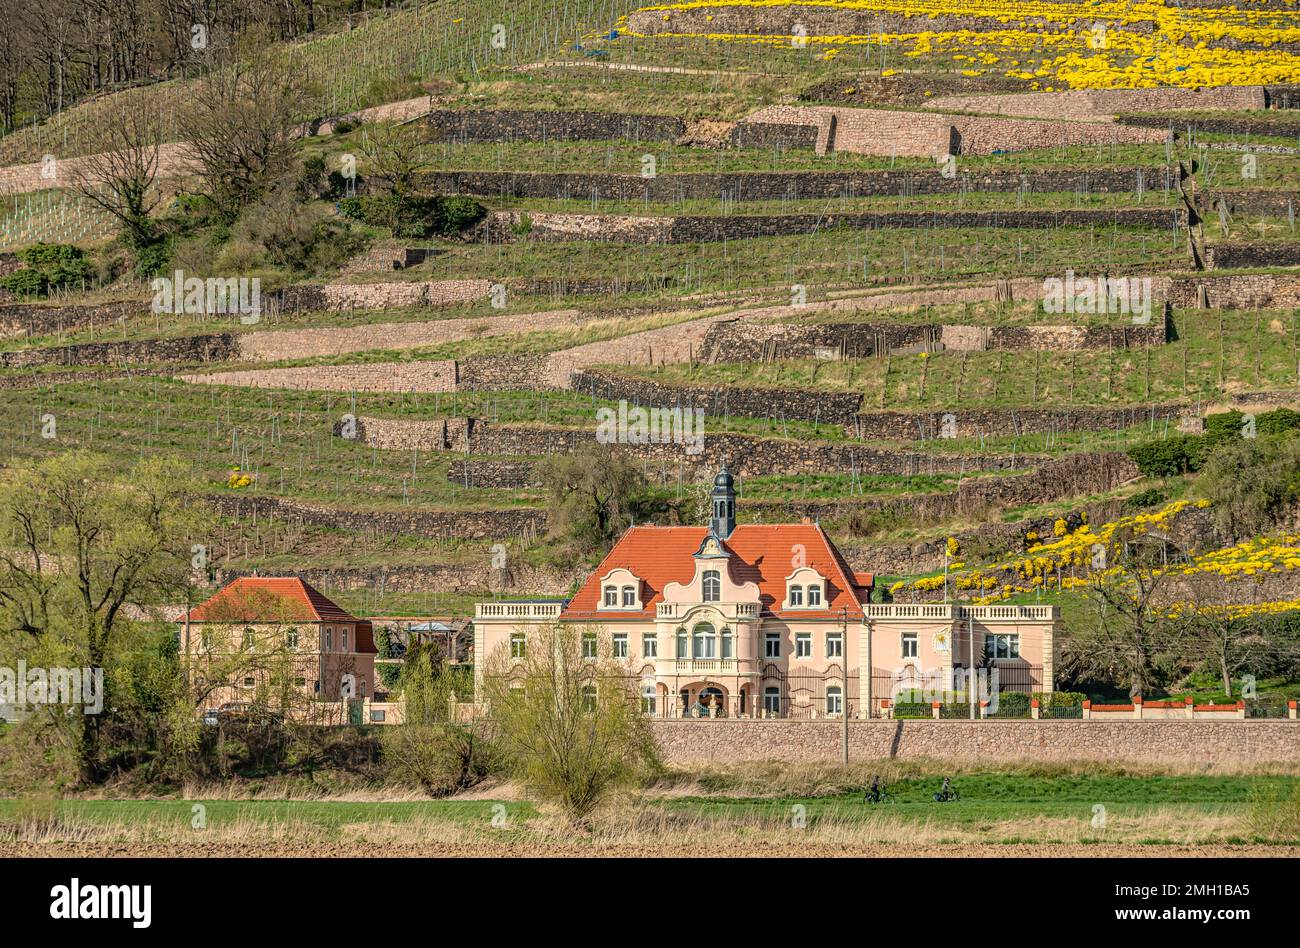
<point>378,259</point>
<point>747,341</point>
<point>507,125</point>
<point>785,185</point>
<point>746,455</point>
<point>773,135</point>
<point>1084,105</point>
<point>1277,202</point>
<point>1193,743</point>
<point>506,226</point>
<point>447,524</point>
<point>216,347</point>
<point>44,319</point>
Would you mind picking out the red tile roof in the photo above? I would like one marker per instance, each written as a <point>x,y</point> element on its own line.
<point>762,553</point>
<point>270,599</point>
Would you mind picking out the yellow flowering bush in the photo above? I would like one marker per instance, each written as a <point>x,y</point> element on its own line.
<point>1143,44</point>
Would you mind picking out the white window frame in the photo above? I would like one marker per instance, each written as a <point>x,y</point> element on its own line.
<point>803,645</point>
<point>620,645</point>
<point>796,597</point>
<point>291,640</point>
<point>629,597</point>
<point>590,645</point>
<point>772,699</point>
<point>649,645</point>
<point>518,645</point>
<point>343,639</point>
<point>609,599</point>
<point>771,644</point>
<point>834,644</point>
<point>1005,645</point>
<point>726,643</point>
<point>329,639</point>
<point>814,596</point>
<point>704,641</point>
<point>834,700</point>
<point>711,586</point>
<point>914,641</point>
<point>649,699</point>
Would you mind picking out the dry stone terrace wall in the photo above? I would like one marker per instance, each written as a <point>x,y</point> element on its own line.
<point>521,126</point>
<point>1005,422</point>
<point>790,404</point>
<point>1084,105</point>
<point>336,296</point>
<point>217,347</point>
<point>1054,480</point>
<point>1238,292</point>
<point>475,577</point>
<point>614,228</point>
<point>745,455</point>
<point>448,524</point>
<point>374,377</point>
<point>932,134</point>
<point>1242,256</point>
<point>747,341</point>
<point>1231,743</point>
<point>42,319</point>
<point>273,345</point>
<point>784,185</point>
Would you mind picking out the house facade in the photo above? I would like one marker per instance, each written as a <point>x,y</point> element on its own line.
<point>759,620</point>
<point>278,642</point>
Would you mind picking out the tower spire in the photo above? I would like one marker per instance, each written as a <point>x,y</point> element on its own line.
<point>723,496</point>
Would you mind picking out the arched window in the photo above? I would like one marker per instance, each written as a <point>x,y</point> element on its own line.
<point>814,595</point>
<point>712,585</point>
<point>796,595</point>
<point>629,595</point>
<point>772,699</point>
<point>682,649</point>
<point>648,698</point>
<point>728,651</point>
<point>611,596</point>
<point>705,641</point>
<point>834,700</point>
<point>588,697</point>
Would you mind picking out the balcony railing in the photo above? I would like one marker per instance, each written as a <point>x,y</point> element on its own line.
<point>952,611</point>
<point>674,610</point>
<point>520,611</point>
<point>697,666</point>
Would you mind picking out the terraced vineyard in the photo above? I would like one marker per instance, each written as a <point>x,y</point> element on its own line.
<point>833,228</point>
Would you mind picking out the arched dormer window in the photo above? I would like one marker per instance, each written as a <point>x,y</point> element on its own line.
<point>629,596</point>
<point>611,597</point>
<point>805,588</point>
<point>620,589</point>
<point>712,585</point>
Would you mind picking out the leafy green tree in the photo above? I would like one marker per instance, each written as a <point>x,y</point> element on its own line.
<point>593,494</point>
<point>86,546</point>
<point>1252,483</point>
<point>569,721</point>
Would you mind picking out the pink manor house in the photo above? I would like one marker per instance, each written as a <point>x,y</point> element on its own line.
<point>758,620</point>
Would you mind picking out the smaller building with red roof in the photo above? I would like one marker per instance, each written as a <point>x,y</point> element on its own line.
<point>766,620</point>
<point>276,642</point>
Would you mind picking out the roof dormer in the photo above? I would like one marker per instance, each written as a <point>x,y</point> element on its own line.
<point>805,588</point>
<point>620,591</point>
